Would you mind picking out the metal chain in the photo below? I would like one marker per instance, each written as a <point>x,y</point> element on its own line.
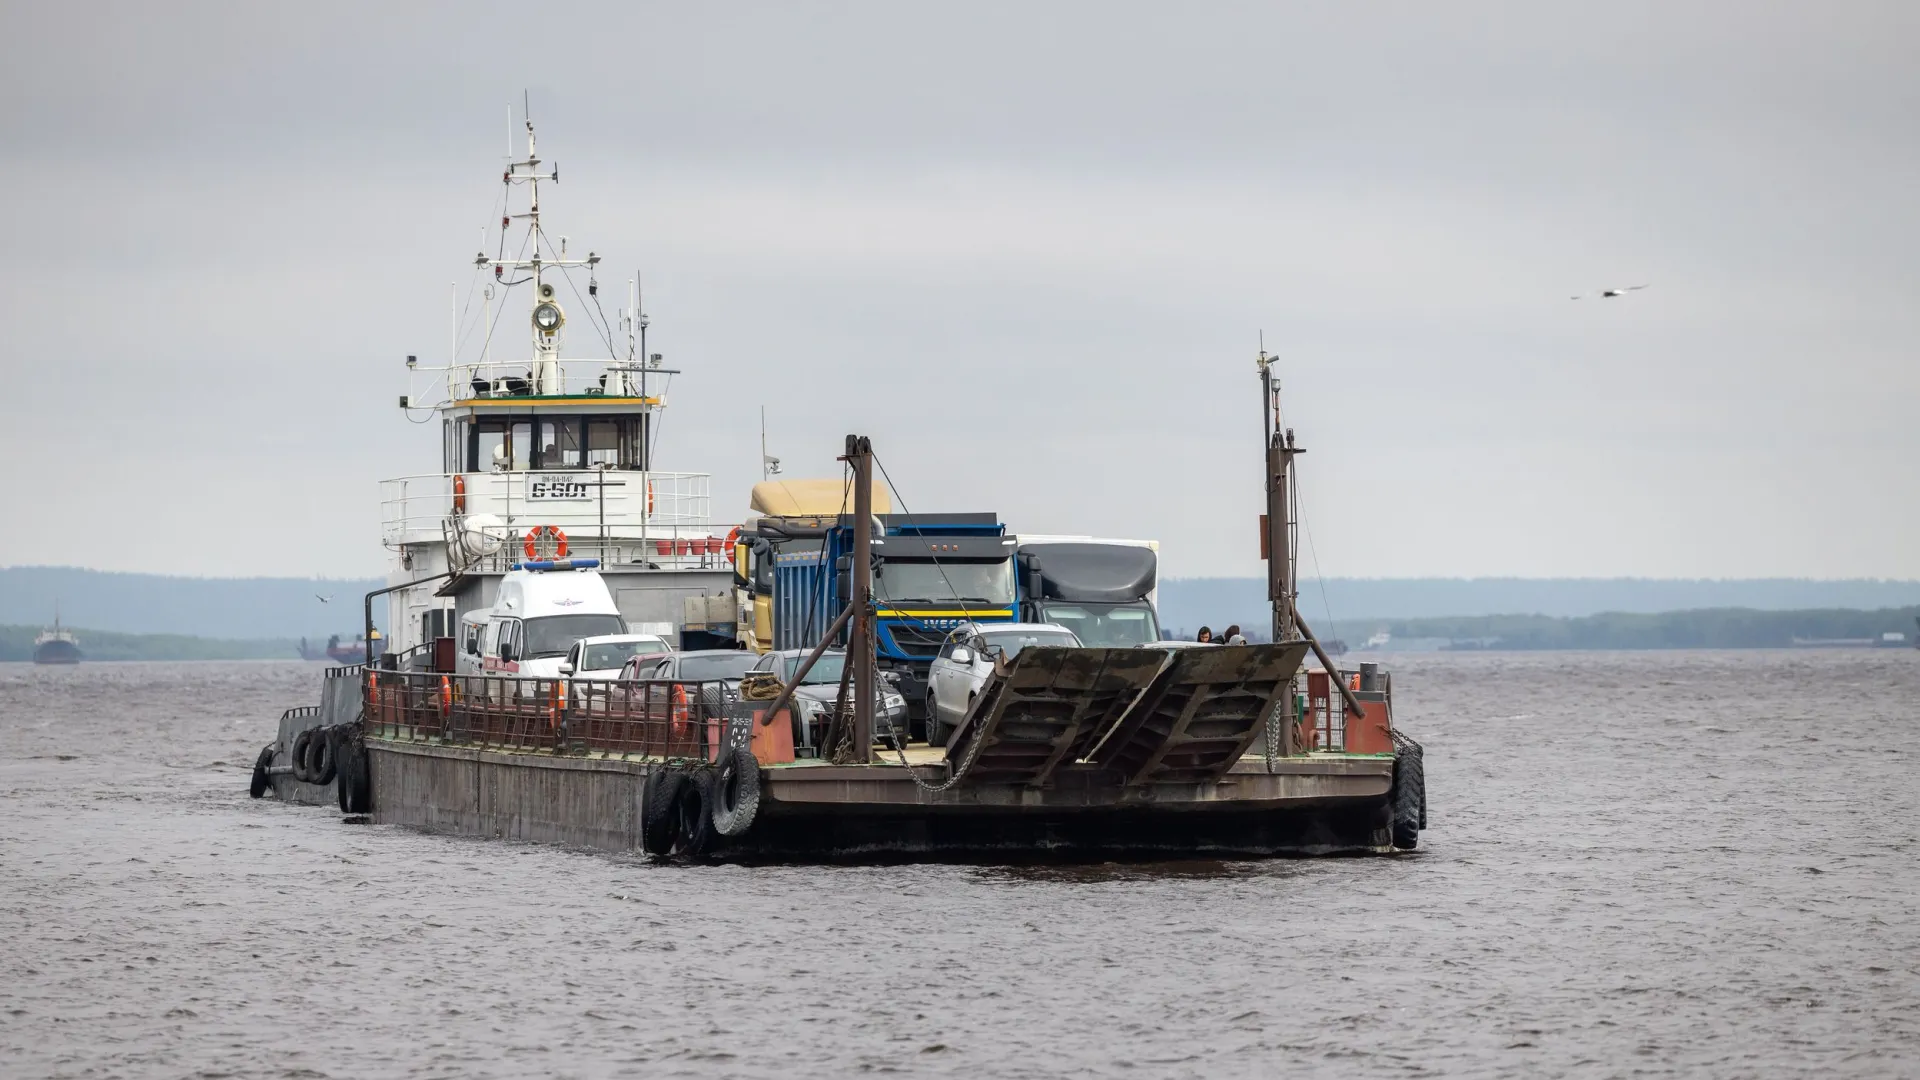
<point>973,753</point>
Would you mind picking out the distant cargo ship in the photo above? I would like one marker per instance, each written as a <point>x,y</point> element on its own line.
<point>56,646</point>
<point>355,652</point>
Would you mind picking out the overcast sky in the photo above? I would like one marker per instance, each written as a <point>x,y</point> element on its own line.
<point>1028,248</point>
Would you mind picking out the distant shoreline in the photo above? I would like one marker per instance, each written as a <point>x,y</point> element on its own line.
<point>1815,630</point>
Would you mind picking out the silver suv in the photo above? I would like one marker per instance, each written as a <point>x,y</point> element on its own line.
<point>965,661</point>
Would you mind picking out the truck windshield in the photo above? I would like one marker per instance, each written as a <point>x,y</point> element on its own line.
<point>553,635</point>
<point>1105,625</point>
<point>987,584</point>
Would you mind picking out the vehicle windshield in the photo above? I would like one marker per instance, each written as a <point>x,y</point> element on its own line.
<point>826,670</point>
<point>1012,641</point>
<point>988,584</point>
<point>1105,625</point>
<point>612,654</point>
<point>730,665</point>
<point>554,635</point>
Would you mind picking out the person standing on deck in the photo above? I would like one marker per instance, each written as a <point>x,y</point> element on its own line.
<point>1205,636</point>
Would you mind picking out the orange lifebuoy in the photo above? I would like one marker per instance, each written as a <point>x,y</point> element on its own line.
<point>681,722</point>
<point>459,494</point>
<point>446,694</point>
<point>649,498</point>
<point>733,545</point>
<point>533,541</point>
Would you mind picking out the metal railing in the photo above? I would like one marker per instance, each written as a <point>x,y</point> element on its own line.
<point>662,719</point>
<point>670,548</point>
<point>591,376</point>
<point>414,509</point>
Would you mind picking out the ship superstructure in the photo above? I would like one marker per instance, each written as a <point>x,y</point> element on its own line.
<point>547,452</point>
<point>56,645</point>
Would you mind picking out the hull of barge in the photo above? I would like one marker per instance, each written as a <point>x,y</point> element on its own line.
<point>1310,805</point>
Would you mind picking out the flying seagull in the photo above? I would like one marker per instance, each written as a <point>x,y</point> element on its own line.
<point>1609,293</point>
<point>323,599</point>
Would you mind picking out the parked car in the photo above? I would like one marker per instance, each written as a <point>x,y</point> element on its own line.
<point>814,698</point>
<point>600,658</point>
<point>966,659</point>
<point>700,665</point>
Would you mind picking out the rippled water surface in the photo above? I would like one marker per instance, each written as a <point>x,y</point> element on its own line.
<point>1696,864</point>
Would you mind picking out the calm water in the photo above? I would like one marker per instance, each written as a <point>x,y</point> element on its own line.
<point>1694,865</point>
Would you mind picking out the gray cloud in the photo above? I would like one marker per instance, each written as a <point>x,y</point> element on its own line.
<point>1026,247</point>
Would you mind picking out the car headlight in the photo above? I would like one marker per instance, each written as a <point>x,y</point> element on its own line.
<point>895,701</point>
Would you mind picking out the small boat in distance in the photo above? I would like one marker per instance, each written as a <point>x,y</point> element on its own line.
<point>56,646</point>
<point>354,652</point>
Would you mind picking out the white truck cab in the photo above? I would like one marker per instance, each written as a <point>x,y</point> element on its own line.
<point>535,620</point>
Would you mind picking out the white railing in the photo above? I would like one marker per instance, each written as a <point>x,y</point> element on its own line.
<point>589,502</point>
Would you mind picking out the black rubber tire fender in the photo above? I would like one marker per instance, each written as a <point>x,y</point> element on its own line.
<point>736,792</point>
<point>297,755</point>
<point>1409,790</point>
<point>261,779</point>
<point>659,810</point>
<point>695,835</point>
<point>349,759</point>
<point>356,774</point>
<point>322,760</point>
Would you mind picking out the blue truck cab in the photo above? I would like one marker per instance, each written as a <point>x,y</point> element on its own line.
<point>931,572</point>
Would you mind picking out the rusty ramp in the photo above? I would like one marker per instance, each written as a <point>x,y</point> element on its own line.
<point>1048,707</point>
<point>1200,715</point>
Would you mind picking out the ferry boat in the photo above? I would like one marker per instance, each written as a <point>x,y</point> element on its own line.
<point>56,646</point>
<point>547,467</point>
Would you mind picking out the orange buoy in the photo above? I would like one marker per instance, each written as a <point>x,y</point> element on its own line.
<point>533,541</point>
<point>459,494</point>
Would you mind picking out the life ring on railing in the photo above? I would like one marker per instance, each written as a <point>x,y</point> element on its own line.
<point>682,720</point>
<point>446,695</point>
<point>559,541</point>
<point>649,498</point>
<point>733,544</point>
<point>459,494</point>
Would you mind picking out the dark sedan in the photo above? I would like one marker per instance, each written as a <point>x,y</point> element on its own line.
<point>814,698</point>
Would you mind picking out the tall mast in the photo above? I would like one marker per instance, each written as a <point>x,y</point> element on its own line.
<point>548,317</point>
<point>1282,581</point>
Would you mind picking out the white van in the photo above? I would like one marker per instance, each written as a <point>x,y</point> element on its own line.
<point>534,621</point>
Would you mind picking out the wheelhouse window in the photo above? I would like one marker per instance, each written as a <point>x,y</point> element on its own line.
<point>561,442</point>
<point>603,444</point>
<point>486,445</point>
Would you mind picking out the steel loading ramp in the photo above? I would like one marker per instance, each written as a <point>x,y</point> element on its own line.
<point>1148,715</point>
<point>1047,707</point>
<point>1201,714</point>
